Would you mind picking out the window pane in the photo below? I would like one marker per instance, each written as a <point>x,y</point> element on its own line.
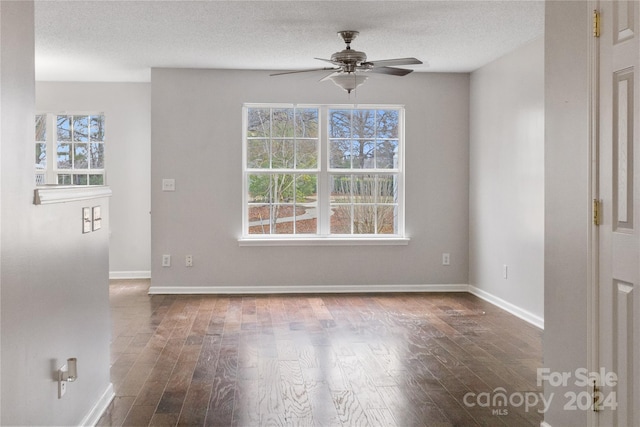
<point>97,128</point>
<point>259,123</point>
<point>364,219</point>
<point>306,154</point>
<point>363,124</point>
<point>284,215</point>
<point>41,127</point>
<point>97,155</point>
<point>64,128</point>
<point>387,126</point>
<point>79,179</point>
<point>306,219</point>
<point>282,154</point>
<point>386,188</point>
<point>340,123</point>
<point>364,189</point>
<point>96,179</point>
<point>258,153</point>
<point>64,179</point>
<point>362,154</point>
<point>306,123</point>
<point>81,128</point>
<point>259,186</point>
<point>41,155</point>
<point>386,154</point>
<point>306,214</point>
<point>340,153</point>
<point>64,156</point>
<point>282,126</point>
<point>306,189</point>
<point>81,156</point>
<point>340,219</point>
<point>386,219</point>
<point>259,219</point>
<point>282,187</point>
<point>340,188</point>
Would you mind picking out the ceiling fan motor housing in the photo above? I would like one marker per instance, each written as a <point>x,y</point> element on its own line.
<point>349,58</point>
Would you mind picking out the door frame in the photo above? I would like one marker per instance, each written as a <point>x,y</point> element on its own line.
<point>593,287</point>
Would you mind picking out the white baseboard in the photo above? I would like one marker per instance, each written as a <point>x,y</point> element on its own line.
<point>92,418</point>
<point>545,424</point>
<point>129,274</point>
<point>312,289</point>
<point>507,306</point>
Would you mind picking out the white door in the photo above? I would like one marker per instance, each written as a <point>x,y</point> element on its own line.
<point>619,190</point>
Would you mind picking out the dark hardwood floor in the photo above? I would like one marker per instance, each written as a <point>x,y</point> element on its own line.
<point>318,360</point>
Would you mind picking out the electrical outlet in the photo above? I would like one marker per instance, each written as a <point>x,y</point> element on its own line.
<point>446,258</point>
<point>188,260</point>
<point>166,260</point>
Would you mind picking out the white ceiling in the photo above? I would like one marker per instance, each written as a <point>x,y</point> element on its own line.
<point>105,40</point>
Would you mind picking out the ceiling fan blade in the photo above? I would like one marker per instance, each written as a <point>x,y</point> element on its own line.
<point>303,71</point>
<point>397,61</point>
<point>390,71</point>
<point>338,64</point>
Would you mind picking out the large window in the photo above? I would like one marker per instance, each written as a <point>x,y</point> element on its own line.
<point>69,149</point>
<point>322,171</point>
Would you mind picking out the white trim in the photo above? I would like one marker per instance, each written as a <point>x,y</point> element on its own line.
<point>324,241</point>
<point>92,418</point>
<point>61,194</point>
<point>115,275</point>
<point>525,315</point>
<point>312,289</point>
<point>545,424</point>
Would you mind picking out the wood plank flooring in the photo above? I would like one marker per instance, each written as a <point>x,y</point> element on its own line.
<point>316,360</point>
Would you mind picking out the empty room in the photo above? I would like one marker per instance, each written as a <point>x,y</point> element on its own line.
<point>319,213</point>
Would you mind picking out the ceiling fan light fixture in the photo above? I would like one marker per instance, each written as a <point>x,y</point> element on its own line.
<point>348,81</point>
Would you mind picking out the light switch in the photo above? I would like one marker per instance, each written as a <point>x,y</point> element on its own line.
<point>168,184</point>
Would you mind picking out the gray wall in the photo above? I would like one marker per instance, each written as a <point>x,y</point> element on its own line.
<point>507,179</point>
<point>128,161</point>
<point>53,282</point>
<point>567,198</point>
<point>196,131</point>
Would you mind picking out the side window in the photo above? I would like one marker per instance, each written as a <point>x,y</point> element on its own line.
<point>73,153</point>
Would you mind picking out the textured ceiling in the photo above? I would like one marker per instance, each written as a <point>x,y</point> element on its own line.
<point>103,40</point>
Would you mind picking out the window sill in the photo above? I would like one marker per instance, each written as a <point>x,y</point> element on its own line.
<point>324,241</point>
<point>47,195</point>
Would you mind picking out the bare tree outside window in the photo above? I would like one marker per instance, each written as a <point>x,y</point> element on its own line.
<point>364,140</point>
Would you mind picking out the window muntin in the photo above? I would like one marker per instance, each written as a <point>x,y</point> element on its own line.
<point>323,171</point>
<point>74,153</point>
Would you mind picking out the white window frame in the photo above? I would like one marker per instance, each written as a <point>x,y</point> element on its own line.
<point>51,170</point>
<point>323,182</point>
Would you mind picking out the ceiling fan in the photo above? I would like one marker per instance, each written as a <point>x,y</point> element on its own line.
<point>350,64</point>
